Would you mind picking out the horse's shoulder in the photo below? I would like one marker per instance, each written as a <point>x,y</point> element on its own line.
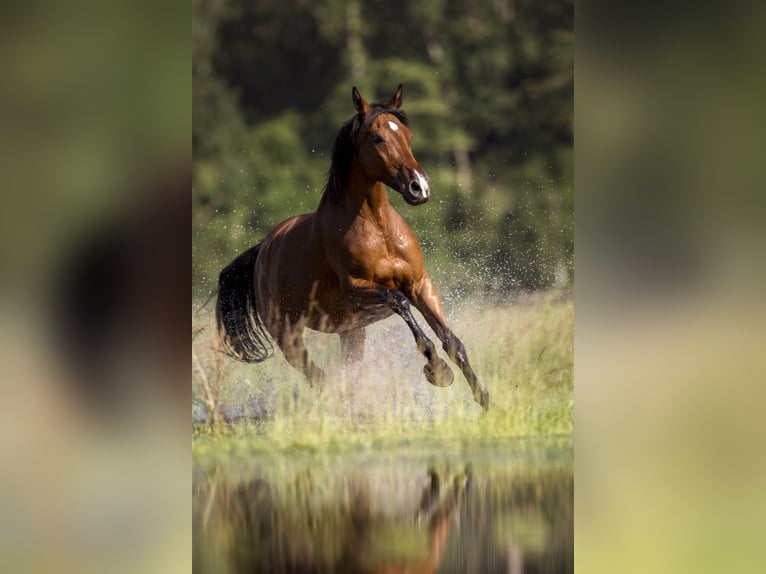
<point>401,233</point>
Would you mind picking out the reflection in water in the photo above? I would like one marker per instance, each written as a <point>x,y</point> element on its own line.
<point>383,515</point>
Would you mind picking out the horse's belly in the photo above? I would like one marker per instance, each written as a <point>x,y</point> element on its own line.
<point>336,316</point>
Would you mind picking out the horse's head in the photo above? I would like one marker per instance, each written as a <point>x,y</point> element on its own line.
<point>384,151</point>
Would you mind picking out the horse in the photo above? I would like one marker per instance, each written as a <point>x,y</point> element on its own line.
<point>352,262</point>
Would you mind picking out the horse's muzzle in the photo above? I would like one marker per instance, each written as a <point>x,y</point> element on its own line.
<point>415,188</point>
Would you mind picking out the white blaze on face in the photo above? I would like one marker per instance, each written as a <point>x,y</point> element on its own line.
<point>393,126</point>
<point>423,183</point>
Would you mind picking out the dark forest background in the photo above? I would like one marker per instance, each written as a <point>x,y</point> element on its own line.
<point>488,86</point>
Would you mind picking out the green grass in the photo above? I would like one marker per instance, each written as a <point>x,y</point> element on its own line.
<point>521,350</point>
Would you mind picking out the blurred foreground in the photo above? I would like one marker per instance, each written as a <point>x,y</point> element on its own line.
<point>95,160</point>
<point>670,288</point>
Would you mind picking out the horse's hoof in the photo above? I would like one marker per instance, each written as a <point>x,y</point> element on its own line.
<point>438,373</point>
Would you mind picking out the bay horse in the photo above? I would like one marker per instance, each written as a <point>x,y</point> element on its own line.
<point>350,263</point>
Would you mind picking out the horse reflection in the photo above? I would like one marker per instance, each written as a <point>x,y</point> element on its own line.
<point>295,531</point>
<point>438,504</point>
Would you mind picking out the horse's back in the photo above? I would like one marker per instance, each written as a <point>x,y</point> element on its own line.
<point>285,255</point>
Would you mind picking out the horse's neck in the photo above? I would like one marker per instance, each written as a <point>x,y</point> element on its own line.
<point>366,198</point>
<point>375,204</point>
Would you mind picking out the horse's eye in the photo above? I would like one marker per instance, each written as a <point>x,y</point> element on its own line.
<point>377,140</point>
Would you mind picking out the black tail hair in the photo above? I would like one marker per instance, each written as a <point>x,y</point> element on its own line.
<point>241,329</point>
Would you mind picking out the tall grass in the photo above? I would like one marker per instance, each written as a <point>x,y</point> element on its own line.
<point>522,350</point>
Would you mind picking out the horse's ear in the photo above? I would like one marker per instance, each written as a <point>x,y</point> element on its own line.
<point>396,99</point>
<point>360,104</point>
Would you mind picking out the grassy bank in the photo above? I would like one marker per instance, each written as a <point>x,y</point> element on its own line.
<point>521,350</point>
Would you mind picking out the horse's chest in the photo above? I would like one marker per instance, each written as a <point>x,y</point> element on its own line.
<point>391,272</point>
<point>378,259</point>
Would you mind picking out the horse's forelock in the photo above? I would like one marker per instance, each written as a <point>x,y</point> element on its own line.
<point>380,109</point>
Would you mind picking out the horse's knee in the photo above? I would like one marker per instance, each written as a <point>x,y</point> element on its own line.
<point>396,300</point>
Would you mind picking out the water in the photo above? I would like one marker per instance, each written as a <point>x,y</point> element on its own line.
<point>415,508</point>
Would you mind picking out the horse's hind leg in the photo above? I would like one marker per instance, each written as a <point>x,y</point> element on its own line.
<point>296,353</point>
<point>352,345</point>
<point>351,354</point>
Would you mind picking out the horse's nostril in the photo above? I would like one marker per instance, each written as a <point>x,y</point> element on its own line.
<point>415,187</point>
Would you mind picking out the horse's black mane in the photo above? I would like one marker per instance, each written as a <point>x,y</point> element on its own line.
<point>345,147</point>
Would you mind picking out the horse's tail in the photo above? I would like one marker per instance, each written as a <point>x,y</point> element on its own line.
<point>240,327</point>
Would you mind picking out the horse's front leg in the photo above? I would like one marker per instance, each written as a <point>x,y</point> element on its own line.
<point>427,302</point>
<point>367,293</point>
